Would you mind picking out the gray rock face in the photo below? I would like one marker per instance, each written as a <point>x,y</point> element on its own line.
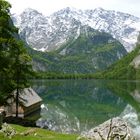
<point>49,33</point>
<point>136,62</point>
<point>113,129</point>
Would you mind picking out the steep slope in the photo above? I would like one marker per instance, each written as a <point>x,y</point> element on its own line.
<point>89,52</point>
<point>46,33</point>
<point>49,33</point>
<point>126,68</point>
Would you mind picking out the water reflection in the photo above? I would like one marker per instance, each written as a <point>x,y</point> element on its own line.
<point>72,106</point>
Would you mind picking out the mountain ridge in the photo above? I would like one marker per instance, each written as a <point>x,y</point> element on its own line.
<point>126,68</point>
<point>89,52</point>
<point>49,33</point>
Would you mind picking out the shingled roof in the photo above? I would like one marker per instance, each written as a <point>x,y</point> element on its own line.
<point>28,97</point>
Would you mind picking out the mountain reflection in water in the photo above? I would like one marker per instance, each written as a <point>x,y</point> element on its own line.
<point>73,106</point>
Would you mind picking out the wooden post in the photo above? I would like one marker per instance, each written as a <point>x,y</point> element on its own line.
<point>1,119</point>
<point>17,102</point>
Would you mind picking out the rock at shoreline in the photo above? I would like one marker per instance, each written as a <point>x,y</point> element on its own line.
<point>113,129</point>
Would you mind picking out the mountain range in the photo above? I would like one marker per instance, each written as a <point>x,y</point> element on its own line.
<point>127,67</point>
<point>44,33</point>
<point>77,41</point>
<point>89,52</point>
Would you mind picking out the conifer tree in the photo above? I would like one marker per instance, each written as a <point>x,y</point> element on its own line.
<point>15,63</point>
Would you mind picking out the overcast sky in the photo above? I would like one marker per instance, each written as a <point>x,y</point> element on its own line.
<point>49,6</point>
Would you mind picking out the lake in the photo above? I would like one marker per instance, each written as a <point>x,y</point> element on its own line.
<point>74,106</point>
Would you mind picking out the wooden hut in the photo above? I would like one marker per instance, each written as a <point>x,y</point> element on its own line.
<point>29,102</point>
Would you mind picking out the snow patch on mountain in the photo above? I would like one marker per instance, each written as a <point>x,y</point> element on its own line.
<point>49,33</point>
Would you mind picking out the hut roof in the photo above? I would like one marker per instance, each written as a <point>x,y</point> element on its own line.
<point>28,97</point>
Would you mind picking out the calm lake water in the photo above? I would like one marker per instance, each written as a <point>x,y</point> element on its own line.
<point>73,106</point>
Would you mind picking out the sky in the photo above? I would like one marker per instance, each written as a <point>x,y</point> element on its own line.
<point>47,7</point>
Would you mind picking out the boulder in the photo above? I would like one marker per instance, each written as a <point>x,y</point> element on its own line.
<point>113,129</point>
<point>8,131</point>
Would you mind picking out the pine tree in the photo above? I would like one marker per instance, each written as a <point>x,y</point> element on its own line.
<point>21,67</point>
<point>15,63</point>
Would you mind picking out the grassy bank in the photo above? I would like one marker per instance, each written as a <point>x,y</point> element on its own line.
<point>27,133</point>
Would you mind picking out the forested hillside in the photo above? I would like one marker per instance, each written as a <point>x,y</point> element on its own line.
<point>89,52</point>
<point>126,68</point>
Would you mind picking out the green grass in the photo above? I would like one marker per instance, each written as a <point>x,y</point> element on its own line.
<point>37,134</point>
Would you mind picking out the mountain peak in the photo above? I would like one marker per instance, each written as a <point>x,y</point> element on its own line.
<point>49,33</point>
<point>70,9</point>
<point>67,10</point>
<point>31,12</point>
<point>99,9</point>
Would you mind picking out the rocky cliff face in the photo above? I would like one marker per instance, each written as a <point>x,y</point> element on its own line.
<point>89,52</point>
<point>49,33</point>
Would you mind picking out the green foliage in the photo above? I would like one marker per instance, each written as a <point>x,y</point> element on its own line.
<point>88,53</point>
<point>4,7</point>
<point>122,69</point>
<point>15,64</point>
